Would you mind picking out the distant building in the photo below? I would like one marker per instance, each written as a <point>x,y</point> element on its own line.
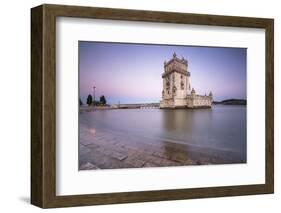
<point>177,91</point>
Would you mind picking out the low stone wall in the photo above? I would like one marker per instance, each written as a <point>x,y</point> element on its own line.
<point>167,104</point>
<point>200,101</point>
<point>192,101</point>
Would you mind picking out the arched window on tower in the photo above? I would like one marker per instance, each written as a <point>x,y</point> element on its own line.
<point>182,85</point>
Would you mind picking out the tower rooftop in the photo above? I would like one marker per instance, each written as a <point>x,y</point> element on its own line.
<point>176,59</point>
<point>175,65</point>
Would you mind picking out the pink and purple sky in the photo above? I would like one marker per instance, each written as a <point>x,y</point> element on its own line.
<point>131,73</point>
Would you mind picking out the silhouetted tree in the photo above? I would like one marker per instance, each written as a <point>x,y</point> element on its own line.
<point>80,102</point>
<point>102,100</point>
<point>89,100</point>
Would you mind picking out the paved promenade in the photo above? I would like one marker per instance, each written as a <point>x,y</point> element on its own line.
<point>104,149</point>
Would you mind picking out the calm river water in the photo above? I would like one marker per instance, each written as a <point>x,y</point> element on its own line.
<point>222,127</point>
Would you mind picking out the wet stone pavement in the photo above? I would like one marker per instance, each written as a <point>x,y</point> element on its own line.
<point>104,149</point>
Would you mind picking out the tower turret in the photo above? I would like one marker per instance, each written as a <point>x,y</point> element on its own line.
<point>193,91</point>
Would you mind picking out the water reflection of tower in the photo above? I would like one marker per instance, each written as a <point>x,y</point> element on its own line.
<point>185,127</point>
<point>177,130</point>
<point>177,124</point>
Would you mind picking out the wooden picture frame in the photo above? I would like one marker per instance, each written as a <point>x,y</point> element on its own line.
<point>43,105</point>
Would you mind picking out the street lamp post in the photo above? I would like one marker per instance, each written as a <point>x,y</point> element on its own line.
<point>94,94</point>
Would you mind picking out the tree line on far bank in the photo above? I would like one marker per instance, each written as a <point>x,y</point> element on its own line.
<point>90,101</point>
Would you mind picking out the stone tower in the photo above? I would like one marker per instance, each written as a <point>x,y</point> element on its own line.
<point>176,81</point>
<point>177,91</point>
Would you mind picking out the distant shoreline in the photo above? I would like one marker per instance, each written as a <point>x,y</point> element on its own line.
<point>85,108</point>
<point>231,102</point>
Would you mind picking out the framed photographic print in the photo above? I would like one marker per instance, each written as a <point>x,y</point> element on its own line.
<point>136,106</point>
